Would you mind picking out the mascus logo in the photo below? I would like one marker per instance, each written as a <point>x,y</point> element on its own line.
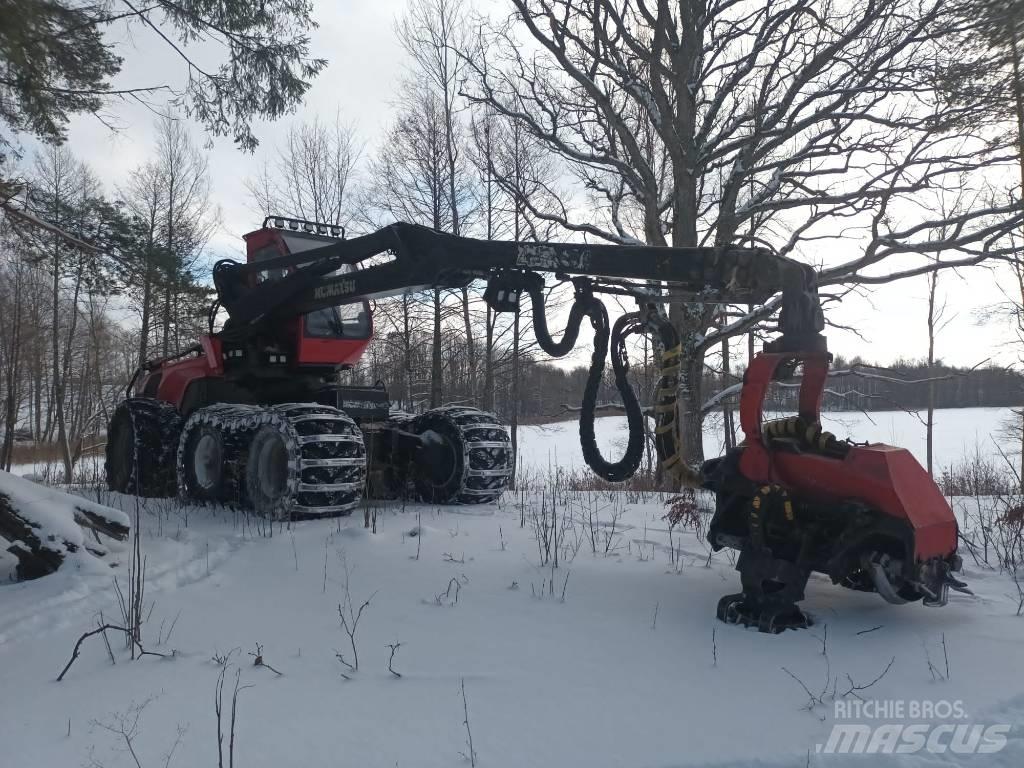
<point>340,288</point>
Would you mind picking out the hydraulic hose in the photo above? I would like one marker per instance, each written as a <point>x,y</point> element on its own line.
<point>665,409</point>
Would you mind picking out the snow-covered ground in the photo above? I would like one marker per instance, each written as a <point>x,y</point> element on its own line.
<point>613,658</point>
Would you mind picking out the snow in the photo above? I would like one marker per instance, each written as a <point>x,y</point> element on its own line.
<point>959,433</point>
<point>52,514</point>
<point>630,669</point>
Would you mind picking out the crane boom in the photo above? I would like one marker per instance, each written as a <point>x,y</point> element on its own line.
<point>403,258</point>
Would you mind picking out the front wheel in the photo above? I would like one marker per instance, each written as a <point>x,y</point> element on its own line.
<point>269,475</point>
<point>204,464</point>
<point>139,452</point>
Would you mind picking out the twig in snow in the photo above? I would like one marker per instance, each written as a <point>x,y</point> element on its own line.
<point>945,654</point>
<point>160,637</point>
<point>873,629</point>
<point>222,659</point>
<point>447,594</point>
<point>258,661</point>
<point>465,722</point>
<point>325,564</point>
<point>106,641</point>
<point>854,688</point>
<point>812,700</point>
<point>102,628</point>
<point>419,531</point>
<point>391,660</point>
<point>654,622</point>
<point>350,617</point>
<point>936,674</point>
<point>127,727</point>
<point>218,706</point>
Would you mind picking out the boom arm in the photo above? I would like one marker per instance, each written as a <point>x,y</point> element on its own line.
<point>420,258</point>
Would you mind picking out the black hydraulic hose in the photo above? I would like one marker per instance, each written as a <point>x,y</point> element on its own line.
<point>586,305</point>
<point>665,409</point>
<point>626,467</point>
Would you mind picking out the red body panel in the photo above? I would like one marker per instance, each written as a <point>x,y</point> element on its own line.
<point>885,478</point>
<point>176,376</point>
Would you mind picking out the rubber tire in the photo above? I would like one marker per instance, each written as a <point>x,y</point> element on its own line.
<point>274,506</point>
<point>194,489</point>
<point>433,490</point>
<point>152,426</point>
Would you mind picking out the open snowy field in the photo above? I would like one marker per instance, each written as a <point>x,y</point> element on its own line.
<point>959,432</point>
<point>612,658</point>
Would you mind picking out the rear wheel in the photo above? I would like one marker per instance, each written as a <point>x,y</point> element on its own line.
<point>140,444</point>
<point>465,457</point>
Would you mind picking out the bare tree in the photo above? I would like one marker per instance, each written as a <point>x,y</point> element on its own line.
<point>144,197</point>
<point>189,220</point>
<point>62,189</point>
<point>683,123</point>
<point>430,32</point>
<point>311,173</point>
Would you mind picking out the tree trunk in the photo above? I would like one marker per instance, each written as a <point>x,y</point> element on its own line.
<point>470,346</point>
<point>147,304</point>
<point>728,426</point>
<point>930,421</point>
<point>514,415</point>
<point>488,398</point>
<point>13,376</point>
<point>691,420</point>
<point>436,370</point>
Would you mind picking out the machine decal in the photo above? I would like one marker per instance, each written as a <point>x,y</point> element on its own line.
<point>552,258</point>
<point>331,290</point>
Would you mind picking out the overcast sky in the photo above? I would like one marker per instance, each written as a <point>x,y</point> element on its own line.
<point>365,61</point>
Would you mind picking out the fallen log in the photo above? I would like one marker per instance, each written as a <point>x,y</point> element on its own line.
<point>43,526</point>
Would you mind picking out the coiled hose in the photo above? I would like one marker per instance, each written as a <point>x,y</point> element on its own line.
<point>651,320</point>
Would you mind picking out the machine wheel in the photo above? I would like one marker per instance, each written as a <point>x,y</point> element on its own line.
<point>465,457</point>
<point>141,438</point>
<point>307,460</point>
<point>296,460</point>
<point>269,473</point>
<point>204,464</point>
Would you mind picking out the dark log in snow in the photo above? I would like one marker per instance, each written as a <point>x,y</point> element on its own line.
<point>43,525</point>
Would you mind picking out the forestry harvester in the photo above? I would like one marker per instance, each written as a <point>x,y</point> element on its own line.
<point>254,413</point>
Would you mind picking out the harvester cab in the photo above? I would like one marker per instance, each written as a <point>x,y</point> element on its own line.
<point>331,336</point>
